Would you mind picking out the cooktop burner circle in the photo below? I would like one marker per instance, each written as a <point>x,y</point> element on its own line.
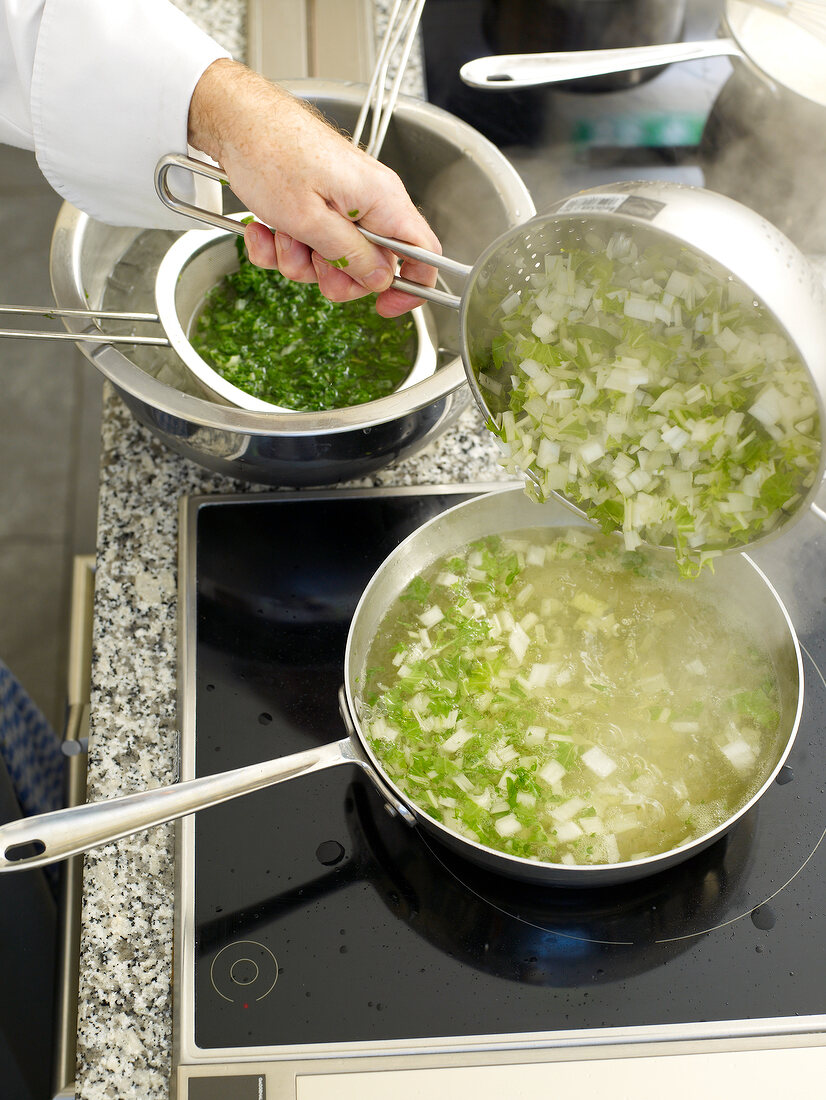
<point>244,970</point>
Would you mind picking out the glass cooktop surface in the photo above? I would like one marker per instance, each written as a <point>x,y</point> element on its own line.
<point>319,919</point>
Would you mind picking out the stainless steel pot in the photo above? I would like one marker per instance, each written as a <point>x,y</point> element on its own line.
<point>764,141</point>
<point>737,585</point>
<point>469,193</point>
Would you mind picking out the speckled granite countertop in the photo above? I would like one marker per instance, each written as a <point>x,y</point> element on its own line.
<point>124,1035</point>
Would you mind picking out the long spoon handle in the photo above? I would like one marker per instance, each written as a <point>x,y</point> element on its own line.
<point>527,70</point>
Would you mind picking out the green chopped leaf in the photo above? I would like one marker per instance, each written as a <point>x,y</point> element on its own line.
<point>418,590</point>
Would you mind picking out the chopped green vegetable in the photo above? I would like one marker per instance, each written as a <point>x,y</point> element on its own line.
<point>649,388</point>
<point>535,694</point>
<point>417,590</point>
<point>283,342</point>
<point>342,261</point>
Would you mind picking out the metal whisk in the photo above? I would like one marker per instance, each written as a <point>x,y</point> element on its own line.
<point>402,25</point>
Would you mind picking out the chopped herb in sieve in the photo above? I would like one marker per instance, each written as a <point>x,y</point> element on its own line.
<point>284,342</point>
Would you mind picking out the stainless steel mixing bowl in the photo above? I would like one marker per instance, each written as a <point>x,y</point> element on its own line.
<point>469,193</point>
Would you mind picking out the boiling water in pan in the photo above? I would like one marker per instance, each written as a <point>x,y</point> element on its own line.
<point>551,696</point>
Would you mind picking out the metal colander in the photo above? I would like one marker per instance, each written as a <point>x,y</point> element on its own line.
<point>720,234</point>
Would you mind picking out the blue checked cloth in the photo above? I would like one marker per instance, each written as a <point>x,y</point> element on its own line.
<point>30,749</point>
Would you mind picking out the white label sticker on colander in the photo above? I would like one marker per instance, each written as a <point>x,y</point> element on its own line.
<point>592,202</point>
<point>636,206</point>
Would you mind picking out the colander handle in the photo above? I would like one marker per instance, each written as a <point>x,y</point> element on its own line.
<point>221,221</point>
<point>180,206</point>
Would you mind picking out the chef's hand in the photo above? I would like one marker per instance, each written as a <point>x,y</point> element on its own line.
<point>294,172</point>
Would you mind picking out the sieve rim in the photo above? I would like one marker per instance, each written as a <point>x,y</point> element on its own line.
<point>192,244</point>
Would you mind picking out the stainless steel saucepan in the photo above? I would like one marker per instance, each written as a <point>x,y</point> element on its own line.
<point>784,42</point>
<point>736,584</point>
<point>712,227</point>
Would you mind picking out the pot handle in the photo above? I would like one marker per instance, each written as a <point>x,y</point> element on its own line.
<point>529,70</point>
<point>221,221</point>
<point>47,838</point>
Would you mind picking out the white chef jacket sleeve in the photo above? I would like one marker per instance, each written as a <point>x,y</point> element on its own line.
<point>100,89</point>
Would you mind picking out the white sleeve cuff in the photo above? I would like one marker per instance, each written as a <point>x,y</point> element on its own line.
<point>110,95</point>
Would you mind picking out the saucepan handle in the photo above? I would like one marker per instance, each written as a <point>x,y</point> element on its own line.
<point>504,72</point>
<point>393,804</point>
<point>47,838</point>
<point>221,221</point>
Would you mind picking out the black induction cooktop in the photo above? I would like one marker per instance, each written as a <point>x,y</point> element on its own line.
<point>317,918</point>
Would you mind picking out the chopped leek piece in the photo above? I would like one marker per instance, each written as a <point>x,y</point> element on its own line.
<point>650,389</point>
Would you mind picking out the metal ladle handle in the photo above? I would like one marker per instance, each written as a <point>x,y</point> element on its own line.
<point>221,221</point>
<point>504,72</point>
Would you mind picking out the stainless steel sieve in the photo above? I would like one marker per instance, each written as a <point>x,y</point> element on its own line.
<point>196,263</point>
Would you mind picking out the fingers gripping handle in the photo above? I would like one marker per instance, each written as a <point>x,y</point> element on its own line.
<point>221,221</point>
